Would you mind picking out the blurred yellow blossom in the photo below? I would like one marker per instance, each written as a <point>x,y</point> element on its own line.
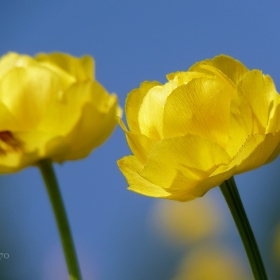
<point>187,223</point>
<point>199,129</point>
<point>212,263</point>
<point>51,107</point>
<point>276,245</point>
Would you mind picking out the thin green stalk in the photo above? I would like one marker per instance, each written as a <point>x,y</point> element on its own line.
<point>237,210</point>
<point>61,218</point>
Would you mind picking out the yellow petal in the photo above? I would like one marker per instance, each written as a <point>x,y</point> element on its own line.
<point>255,152</point>
<point>211,182</point>
<point>7,62</point>
<point>80,68</point>
<point>150,116</point>
<point>133,104</point>
<point>274,106</point>
<point>252,109</point>
<point>200,107</point>
<point>230,67</point>
<point>12,60</point>
<point>97,121</point>
<point>131,168</point>
<point>65,109</point>
<point>28,98</point>
<point>186,77</point>
<point>43,144</point>
<point>274,154</point>
<point>178,164</point>
<point>139,144</point>
<point>7,120</point>
<point>88,66</point>
<point>27,148</point>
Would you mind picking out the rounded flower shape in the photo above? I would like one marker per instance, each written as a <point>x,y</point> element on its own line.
<point>51,107</point>
<point>199,129</point>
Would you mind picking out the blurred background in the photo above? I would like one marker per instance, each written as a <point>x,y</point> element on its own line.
<point>120,235</point>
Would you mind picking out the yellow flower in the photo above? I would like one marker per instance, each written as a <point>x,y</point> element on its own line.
<point>199,129</point>
<point>212,263</point>
<point>51,107</point>
<point>276,245</point>
<point>188,223</point>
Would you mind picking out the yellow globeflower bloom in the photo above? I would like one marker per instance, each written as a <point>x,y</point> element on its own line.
<point>199,129</point>
<point>51,107</point>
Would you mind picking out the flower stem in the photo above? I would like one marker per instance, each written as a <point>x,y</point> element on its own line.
<point>61,218</point>
<point>231,195</point>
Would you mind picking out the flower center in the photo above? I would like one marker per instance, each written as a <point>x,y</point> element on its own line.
<point>8,143</point>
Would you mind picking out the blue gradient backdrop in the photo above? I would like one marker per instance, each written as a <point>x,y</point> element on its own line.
<point>131,41</point>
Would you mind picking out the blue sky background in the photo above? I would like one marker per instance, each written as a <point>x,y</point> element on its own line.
<point>131,41</point>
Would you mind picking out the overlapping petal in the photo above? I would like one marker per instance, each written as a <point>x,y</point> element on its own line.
<point>187,105</point>
<point>230,67</point>
<point>85,136</point>
<point>82,69</point>
<point>131,168</point>
<point>139,144</point>
<point>134,103</point>
<point>150,116</point>
<point>178,164</point>
<point>14,60</point>
<point>19,92</point>
<point>190,157</point>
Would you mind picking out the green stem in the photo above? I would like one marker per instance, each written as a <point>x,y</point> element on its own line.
<point>237,210</point>
<point>61,218</point>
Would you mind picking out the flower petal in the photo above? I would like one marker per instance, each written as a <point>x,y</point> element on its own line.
<point>253,109</point>
<point>139,144</point>
<point>178,164</point>
<point>255,152</point>
<point>28,148</point>
<point>133,104</point>
<point>8,122</point>
<point>131,168</point>
<point>28,98</point>
<point>187,106</point>
<point>230,67</point>
<point>97,121</point>
<point>65,110</point>
<point>273,99</point>
<point>186,77</point>
<point>12,60</point>
<point>80,68</point>
<point>150,116</point>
